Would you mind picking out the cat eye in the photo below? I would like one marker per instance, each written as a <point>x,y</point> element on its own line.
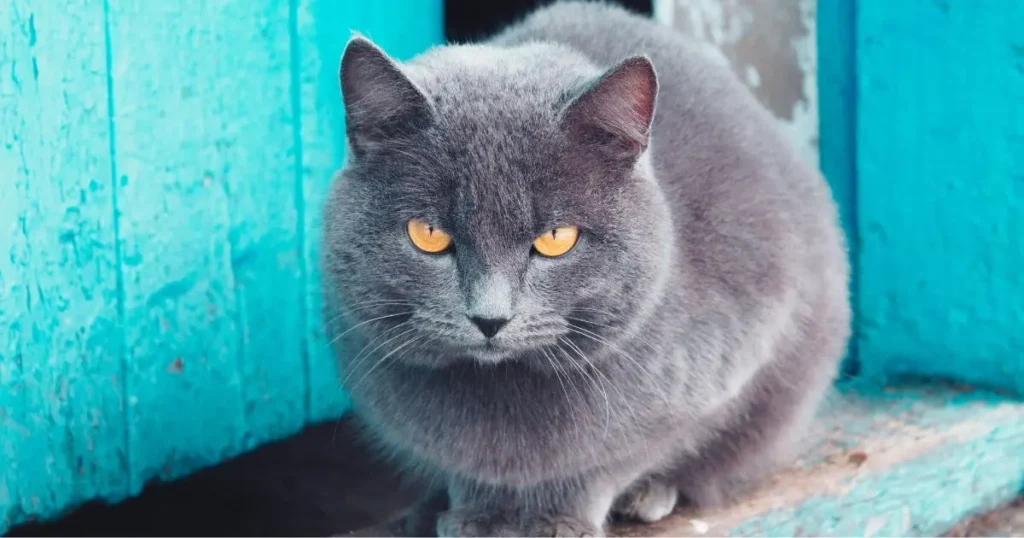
<point>427,237</point>
<point>556,242</point>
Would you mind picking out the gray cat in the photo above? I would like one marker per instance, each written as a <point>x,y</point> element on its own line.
<point>582,273</point>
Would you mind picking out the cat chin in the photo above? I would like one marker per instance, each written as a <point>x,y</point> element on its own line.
<point>495,355</point>
<point>490,355</point>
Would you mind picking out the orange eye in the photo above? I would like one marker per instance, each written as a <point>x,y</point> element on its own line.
<point>557,242</point>
<point>427,237</point>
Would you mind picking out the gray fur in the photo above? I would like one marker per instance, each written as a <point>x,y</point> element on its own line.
<point>682,345</point>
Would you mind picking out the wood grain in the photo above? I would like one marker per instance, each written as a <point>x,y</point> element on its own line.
<point>162,172</point>
<point>62,433</point>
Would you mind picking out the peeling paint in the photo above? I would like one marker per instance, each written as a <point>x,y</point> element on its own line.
<point>771,45</point>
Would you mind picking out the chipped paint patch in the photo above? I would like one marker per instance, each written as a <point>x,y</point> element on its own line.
<point>771,45</point>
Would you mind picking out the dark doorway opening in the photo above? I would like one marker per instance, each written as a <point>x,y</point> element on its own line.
<point>469,20</point>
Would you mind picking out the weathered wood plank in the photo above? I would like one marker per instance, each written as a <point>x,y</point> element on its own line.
<point>164,140</point>
<point>899,462</point>
<point>206,166</point>
<point>1003,521</point>
<point>322,28</point>
<point>61,429</point>
<point>258,147</point>
<point>940,160</point>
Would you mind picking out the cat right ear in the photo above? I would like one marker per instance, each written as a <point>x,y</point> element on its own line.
<point>381,103</point>
<point>614,112</point>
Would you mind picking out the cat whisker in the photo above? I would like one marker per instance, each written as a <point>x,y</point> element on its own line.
<point>558,376</point>
<point>598,311</point>
<point>611,345</point>
<point>385,358</point>
<point>596,383</point>
<point>420,344</point>
<point>357,325</point>
<point>359,358</point>
<point>604,341</point>
<point>631,337</point>
<point>589,322</point>
<point>367,304</point>
<point>625,401</point>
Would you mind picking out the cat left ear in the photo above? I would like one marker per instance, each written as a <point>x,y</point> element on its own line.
<point>615,111</point>
<point>381,102</point>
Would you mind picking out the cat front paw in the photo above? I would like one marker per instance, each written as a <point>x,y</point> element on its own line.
<point>421,518</point>
<point>458,523</point>
<point>562,526</point>
<point>648,500</point>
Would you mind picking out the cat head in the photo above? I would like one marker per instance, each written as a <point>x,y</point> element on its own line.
<point>496,204</point>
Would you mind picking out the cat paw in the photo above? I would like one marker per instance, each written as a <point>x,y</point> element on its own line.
<point>456,523</point>
<point>559,526</point>
<point>421,518</point>
<point>647,501</point>
<point>711,493</point>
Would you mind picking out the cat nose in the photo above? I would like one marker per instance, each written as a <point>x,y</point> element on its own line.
<point>489,326</point>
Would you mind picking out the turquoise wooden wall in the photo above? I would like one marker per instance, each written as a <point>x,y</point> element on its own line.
<point>162,169</point>
<point>922,111</point>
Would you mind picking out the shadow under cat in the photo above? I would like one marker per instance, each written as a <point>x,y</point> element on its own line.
<point>320,482</point>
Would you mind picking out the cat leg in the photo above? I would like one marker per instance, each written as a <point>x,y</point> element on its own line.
<point>421,518</point>
<point>738,457</point>
<point>572,508</point>
<point>649,499</point>
<point>762,428</point>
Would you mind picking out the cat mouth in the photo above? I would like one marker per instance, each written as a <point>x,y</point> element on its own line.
<point>489,352</point>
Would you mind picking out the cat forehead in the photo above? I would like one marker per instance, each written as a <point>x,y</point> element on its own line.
<point>458,77</point>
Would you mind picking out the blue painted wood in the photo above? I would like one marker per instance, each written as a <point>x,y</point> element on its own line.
<point>837,113</point>
<point>207,221</point>
<point>910,462</point>
<point>161,177</point>
<point>61,426</point>
<point>940,186</point>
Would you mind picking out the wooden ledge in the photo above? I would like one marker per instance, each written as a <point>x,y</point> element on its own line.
<point>905,461</point>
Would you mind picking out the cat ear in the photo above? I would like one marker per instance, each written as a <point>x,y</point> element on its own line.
<point>615,111</point>
<point>381,103</point>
